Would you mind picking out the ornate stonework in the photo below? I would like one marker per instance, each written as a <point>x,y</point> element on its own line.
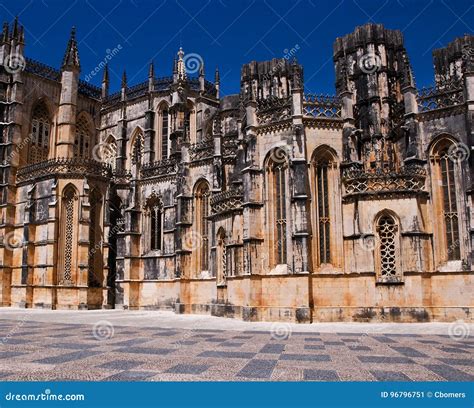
<point>270,204</point>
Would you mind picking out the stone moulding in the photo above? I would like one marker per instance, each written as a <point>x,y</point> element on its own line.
<point>65,168</point>
<point>321,106</point>
<point>160,168</point>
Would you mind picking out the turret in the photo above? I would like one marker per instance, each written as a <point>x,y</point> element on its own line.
<point>68,100</point>
<point>151,76</point>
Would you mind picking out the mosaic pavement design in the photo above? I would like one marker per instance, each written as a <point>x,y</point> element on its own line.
<point>35,351</point>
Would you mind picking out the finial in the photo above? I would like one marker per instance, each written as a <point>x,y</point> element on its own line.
<point>105,78</point>
<point>15,27</point>
<point>217,76</point>
<point>151,70</point>
<point>201,69</point>
<point>124,79</point>
<point>71,57</point>
<point>5,32</point>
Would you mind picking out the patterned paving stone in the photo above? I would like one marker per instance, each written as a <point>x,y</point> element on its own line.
<point>334,343</point>
<point>306,357</point>
<point>453,350</point>
<point>131,376</point>
<point>449,373</point>
<point>273,348</point>
<point>258,369</point>
<point>231,344</point>
<point>216,340</point>
<point>72,346</point>
<point>188,369</point>
<point>63,358</point>
<point>314,347</point>
<point>457,361</point>
<point>409,351</point>
<point>360,348</point>
<point>312,339</point>
<point>385,360</point>
<point>10,354</point>
<point>121,364</point>
<point>146,350</point>
<point>242,337</point>
<point>389,376</point>
<point>226,354</point>
<point>384,339</point>
<point>130,342</point>
<point>320,375</point>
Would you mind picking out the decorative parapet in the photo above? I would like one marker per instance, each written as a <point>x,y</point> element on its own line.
<point>440,96</point>
<point>321,106</point>
<point>65,168</point>
<point>273,109</point>
<point>409,178</point>
<point>202,150</point>
<point>229,200</point>
<point>160,168</point>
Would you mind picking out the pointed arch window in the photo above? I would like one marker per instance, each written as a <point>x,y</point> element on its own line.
<point>68,228</point>
<point>164,133</point>
<point>155,215</point>
<point>95,240</point>
<point>277,203</point>
<point>446,168</point>
<point>40,132</point>
<point>83,139</point>
<point>109,153</point>
<point>202,213</point>
<point>450,209</point>
<point>323,214</point>
<point>388,256</point>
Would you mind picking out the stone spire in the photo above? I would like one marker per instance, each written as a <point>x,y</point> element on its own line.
<point>5,34</point>
<point>217,82</point>
<point>151,70</point>
<point>105,82</point>
<point>71,57</point>
<point>180,67</point>
<point>124,80</point>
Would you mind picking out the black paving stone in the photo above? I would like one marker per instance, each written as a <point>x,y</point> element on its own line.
<point>389,376</point>
<point>306,357</point>
<point>64,358</point>
<point>334,343</point>
<point>226,354</point>
<point>409,351</point>
<point>242,337</point>
<point>130,342</point>
<point>231,344</point>
<point>314,347</point>
<point>320,375</point>
<point>72,346</point>
<point>272,348</point>
<point>453,350</point>
<point>449,373</point>
<point>360,348</point>
<point>258,369</point>
<point>10,354</point>
<point>186,342</point>
<point>384,339</point>
<point>312,339</point>
<point>457,361</point>
<point>385,360</point>
<point>121,364</point>
<point>428,341</point>
<point>188,369</point>
<point>215,340</point>
<point>145,350</point>
<point>130,376</point>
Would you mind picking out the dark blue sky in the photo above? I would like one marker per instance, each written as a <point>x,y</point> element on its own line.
<point>228,33</point>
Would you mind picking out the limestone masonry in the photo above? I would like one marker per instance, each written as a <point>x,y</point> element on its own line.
<point>270,204</point>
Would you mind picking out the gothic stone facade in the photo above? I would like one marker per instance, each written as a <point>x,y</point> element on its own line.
<point>271,204</point>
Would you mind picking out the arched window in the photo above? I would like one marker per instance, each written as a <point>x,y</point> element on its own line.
<point>154,216</point>
<point>450,209</point>
<point>83,139</point>
<point>137,151</point>
<point>388,256</point>
<point>326,207</point>
<point>277,203</point>
<point>68,232</point>
<point>108,152</point>
<point>40,131</point>
<point>445,172</point>
<point>202,196</point>
<point>164,133</point>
